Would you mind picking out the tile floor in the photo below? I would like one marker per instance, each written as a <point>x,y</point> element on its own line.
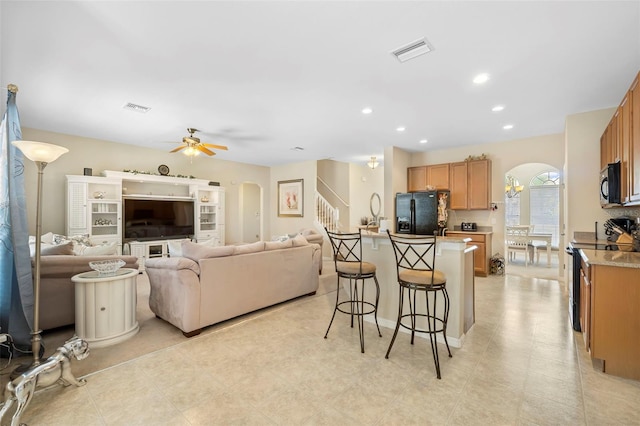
<point>521,364</point>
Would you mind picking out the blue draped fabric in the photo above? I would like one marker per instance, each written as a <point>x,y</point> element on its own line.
<point>16,285</point>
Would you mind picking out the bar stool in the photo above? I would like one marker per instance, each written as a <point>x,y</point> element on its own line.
<point>347,256</point>
<point>415,265</point>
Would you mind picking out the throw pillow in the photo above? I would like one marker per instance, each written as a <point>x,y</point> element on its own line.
<point>101,250</point>
<point>299,240</point>
<point>249,248</point>
<point>196,252</point>
<point>56,249</point>
<point>277,245</point>
<point>80,239</point>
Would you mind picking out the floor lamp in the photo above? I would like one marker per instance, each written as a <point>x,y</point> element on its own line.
<point>42,154</point>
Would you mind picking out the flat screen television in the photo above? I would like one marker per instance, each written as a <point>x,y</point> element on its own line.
<point>157,219</point>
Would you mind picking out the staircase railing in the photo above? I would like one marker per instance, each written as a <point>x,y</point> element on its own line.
<point>326,215</point>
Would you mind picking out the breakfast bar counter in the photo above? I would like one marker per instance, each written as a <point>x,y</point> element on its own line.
<point>453,257</point>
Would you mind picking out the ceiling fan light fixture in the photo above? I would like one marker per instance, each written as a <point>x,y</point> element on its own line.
<point>191,152</point>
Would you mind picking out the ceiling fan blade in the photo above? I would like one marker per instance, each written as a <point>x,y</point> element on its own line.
<point>203,149</point>
<point>210,145</point>
<point>178,148</point>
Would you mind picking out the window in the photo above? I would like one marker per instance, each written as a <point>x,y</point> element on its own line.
<point>512,189</point>
<point>544,202</point>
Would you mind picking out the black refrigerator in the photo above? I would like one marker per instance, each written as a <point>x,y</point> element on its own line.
<point>417,213</point>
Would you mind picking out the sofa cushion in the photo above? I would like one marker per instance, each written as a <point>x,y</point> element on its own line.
<point>56,249</point>
<point>277,245</point>
<point>175,246</point>
<point>256,247</point>
<point>101,250</point>
<point>299,240</point>
<point>196,252</point>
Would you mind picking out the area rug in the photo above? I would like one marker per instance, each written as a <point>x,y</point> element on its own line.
<point>154,334</point>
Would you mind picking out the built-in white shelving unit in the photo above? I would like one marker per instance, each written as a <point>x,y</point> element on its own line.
<point>94,206</point>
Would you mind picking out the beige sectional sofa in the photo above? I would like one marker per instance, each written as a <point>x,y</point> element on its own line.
<point>213,284</point>
<point>57,291</point>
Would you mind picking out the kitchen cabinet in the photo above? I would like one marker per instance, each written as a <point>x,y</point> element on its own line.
<point>624,144</point>
<point>469,182</point>
<point>481,256</point>
<point>470,185</point>
<point>585,302</point>
<point>416,179</point>
<point>634,141</point>
<point>458,199</point>
<point>438,175</point>
<point>620,141</point>
<point>613,319</point>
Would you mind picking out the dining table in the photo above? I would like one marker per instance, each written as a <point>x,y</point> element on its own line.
<point>540,237</point>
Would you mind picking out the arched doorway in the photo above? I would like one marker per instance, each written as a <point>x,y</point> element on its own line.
<point>533,199</point>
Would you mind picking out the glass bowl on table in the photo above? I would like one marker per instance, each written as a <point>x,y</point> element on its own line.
<point>107,267</point>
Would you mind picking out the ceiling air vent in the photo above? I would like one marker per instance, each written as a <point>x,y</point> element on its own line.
<point>136,108</point>
<point>413,49</point>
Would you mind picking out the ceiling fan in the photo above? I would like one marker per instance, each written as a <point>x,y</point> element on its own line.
<point>194,147</point>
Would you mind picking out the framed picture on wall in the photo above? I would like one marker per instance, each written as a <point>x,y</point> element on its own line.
<point>291,198</point>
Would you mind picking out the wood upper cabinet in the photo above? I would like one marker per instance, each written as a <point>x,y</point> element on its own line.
<point>634,141</point>
<point>458,199</point>
<point>479,184</point>
<point>470,185</point>
<point>438,175</point>
<point>416,179</point>
<point>621,142</point>
<point>623,119</point>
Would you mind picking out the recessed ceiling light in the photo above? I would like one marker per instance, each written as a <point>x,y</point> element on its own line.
<point>508,126</point>
<point>497,108</point>
<point>423,141</point>
<point>481,78</point>
<point>400,129</point>
<point>367,110</point>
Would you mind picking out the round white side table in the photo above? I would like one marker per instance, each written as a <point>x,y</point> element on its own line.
<point>106,306</point>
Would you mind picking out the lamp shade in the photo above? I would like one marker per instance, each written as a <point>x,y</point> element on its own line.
<point>40,151</point>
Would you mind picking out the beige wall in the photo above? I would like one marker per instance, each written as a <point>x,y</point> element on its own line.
<point>103,155</point>
<point>582,133</point>
<point>306,170</point>
<point>363,183</point>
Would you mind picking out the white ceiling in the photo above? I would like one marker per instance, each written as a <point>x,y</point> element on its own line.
<point>264,77</point>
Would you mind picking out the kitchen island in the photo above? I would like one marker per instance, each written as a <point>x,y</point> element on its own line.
<point>609,314</point>
<point>453,257</point>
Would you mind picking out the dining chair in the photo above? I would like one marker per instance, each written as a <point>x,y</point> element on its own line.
<point>517,240</point>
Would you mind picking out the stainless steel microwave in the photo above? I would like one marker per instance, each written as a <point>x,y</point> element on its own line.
<point>610,185</point>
